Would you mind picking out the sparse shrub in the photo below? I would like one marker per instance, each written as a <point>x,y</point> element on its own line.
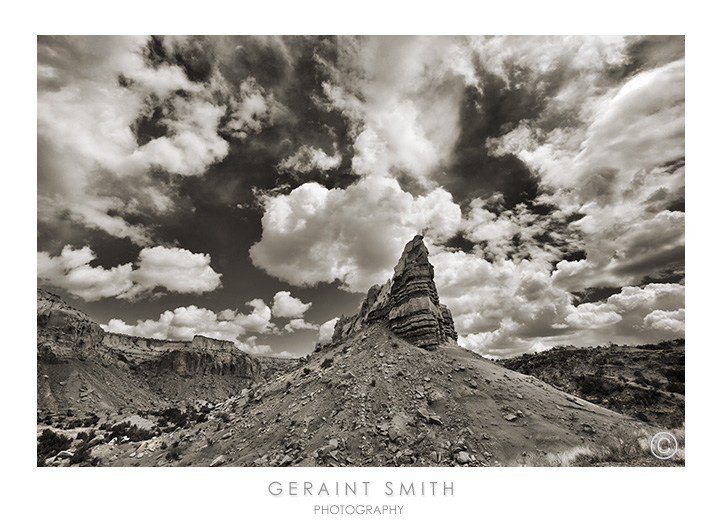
<point>82,454</point>
<point>172,417</point>
<point>655,383</point>
<point>174,453</point>
<point>674,374</point>
<point>84,435</point>
<point>133,432</point>
<point>91,420</point>
<point>50,444</point>
<point>595,386</point>
<point>676,387</point>
<point>640,415</point>
<point>328,362</point>
<point>640,378</point>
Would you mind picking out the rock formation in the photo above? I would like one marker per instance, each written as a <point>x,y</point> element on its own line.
<point>408,302</point>
<point>64,333</point>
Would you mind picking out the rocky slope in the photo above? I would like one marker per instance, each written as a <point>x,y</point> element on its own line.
<point>646,382</point>
<point>83,369</point>
<point>377,400</point>
<point>408,302</point>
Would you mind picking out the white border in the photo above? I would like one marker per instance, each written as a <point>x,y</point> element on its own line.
<point>507,496</point>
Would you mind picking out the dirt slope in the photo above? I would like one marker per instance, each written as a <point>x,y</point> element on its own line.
<point>378,401</point>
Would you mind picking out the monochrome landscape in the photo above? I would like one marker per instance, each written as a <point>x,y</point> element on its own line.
<point>361,251</point>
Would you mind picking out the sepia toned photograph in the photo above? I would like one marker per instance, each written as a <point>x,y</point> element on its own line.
<point>360,251</point>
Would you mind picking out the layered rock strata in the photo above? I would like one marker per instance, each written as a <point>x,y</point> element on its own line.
<point>65,333</point>
<point>409,303</point>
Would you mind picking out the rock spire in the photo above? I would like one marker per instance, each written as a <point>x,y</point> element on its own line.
<point>408,302</point>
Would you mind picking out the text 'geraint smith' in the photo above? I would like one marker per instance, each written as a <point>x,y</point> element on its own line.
<point>411,489</point>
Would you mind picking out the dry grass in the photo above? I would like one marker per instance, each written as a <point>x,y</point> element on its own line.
<point>630,448</point>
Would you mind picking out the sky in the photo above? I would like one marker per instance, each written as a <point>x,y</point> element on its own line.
<point>254,188</point>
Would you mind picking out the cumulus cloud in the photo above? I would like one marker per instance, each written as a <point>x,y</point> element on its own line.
<point>672,321</point>
<point>593,316</point>
<point>594,127</point>
<point>185,322</point>
<point>326,331</point>
<point>507,307</point>
<point>284,305</point>
<point>172,269</point>
<point>482,294</point>
<point>71,270</point>
<point>352,235</point>
<point>93,166</point>
<point>402,97</point>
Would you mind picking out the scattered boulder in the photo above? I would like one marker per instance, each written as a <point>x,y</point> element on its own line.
<point>463,457</point>
<point>218,461</point>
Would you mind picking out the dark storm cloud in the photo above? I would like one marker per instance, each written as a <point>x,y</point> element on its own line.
<point>474,172</point>
<point>287,69</point>
<point>512,94</point>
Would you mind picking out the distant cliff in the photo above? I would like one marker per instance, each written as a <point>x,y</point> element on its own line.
<point>409,303</point>
<point>64,333</point>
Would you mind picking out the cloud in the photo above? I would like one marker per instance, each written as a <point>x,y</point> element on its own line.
<point>672,321</point>
<point>253,110</point>
<point>190,146</point>
<point>250,346</point>
<point>326,331</point>
<point>593,316</point>
<point>71,271</point>
<point>353,235</point>
<point>108,118</point>
<point>482,295</point>
<point>402,98</point>
<point>299,324</point>
<point>307,159</point>
<point>172,269</point>
<point>623,252</point>
<point>518,233</point>
<point>643,125</point>
<point>558,163</point>
<point>284,305</point>
<point>185,322</point>
<point>505,307</point>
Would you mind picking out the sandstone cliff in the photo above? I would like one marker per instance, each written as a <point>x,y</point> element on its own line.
<point>408,303</point>
<point>66,333</point>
